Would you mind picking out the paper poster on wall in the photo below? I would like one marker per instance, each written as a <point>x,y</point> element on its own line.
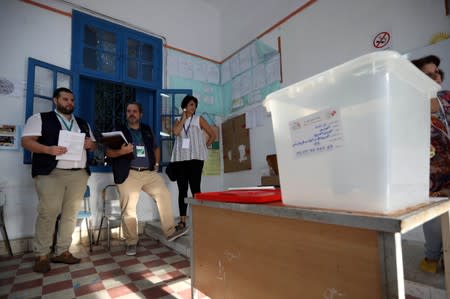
<point>213,73</point>
<point>225,72</point>
<point>273,69</point>
<point>259,76</point>
<point>316,133</point>
<point>14,88</point>
<point>200,71</point>
<point>237,103</point>
<point>245,59</point>
<point>212,165</point>
<point>185,67</point>
<point>254,97</point>
<point>172,64</point>
<point>246,85</point>
<point>234,66</point>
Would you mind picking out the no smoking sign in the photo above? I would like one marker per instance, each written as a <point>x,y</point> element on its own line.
<point>381,40</point>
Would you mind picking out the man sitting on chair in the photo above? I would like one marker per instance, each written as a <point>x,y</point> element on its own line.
<point>140,173</point>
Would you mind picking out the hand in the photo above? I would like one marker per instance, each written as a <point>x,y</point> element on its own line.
<point>57,150</point>
<point>89,144</point>
<point>127,148</point>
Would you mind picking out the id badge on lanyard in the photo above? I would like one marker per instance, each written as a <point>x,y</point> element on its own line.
<point>185,143</point>
<point>140,151</point>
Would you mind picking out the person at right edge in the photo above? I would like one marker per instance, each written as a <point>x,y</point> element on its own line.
<point>439,161</point>
<point>190,151</point>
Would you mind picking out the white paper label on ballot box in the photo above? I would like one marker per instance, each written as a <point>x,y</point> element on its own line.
<point>316,133</point>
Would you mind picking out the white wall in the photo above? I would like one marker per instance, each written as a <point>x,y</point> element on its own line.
<point>331,32</point>
<point>243,21</point>
<point>25,31</point>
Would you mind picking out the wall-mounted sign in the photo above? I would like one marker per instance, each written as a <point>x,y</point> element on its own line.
<point>381,40</point>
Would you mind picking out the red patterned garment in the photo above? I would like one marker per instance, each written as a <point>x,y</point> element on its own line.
<point>440,145</point>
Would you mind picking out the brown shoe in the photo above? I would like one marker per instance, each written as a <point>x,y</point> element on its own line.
<point>41,265</point>
<point>65,258</point>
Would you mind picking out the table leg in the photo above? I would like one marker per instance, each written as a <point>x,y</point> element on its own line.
<point>445,226</point>
<point>391,259</point>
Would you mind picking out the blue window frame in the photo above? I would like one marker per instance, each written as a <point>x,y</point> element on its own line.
<point>105,53</point>
<point>42,79</point>
<point>112,52</point>
<point>169,103</point>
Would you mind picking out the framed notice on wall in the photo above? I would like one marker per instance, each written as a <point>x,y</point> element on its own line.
<point>9,137</point>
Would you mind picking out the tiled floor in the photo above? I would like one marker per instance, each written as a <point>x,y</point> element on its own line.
<point>155,272</point>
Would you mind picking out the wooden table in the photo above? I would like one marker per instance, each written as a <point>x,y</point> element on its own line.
<point>275,251</point>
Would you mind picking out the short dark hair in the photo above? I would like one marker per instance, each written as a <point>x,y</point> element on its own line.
<point>139,105</point>
<point>419,63</point>
<point>58,91</point>
<point>187,99</point>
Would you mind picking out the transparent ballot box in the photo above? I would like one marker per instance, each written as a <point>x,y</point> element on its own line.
<point>355,137</point>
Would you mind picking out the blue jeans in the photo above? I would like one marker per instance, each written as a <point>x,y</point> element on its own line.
<point>433,238</point>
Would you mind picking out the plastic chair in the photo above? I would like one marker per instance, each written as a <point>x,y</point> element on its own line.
<point>2,223</point>
<point>84,214</point>
<point>111,212</point>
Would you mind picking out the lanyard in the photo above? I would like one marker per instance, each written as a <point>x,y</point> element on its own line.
<point>189,126</point>
<point>136,135</point>
<point>69,128</point>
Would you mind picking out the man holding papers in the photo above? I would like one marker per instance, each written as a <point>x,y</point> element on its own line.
<point>140,173</point>
<point>59,142</point>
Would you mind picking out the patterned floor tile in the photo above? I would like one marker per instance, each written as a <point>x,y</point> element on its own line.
<point>116,281</point>
<point>66,293</point>
<point>155,272</point>
<point>122,290</point>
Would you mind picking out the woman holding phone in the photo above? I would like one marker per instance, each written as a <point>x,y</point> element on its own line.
<point>190,151</point>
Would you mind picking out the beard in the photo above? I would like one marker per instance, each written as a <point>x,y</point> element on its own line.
<point>133,120</point>
<point>64,110</point>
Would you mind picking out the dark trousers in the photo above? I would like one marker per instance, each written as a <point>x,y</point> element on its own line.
<point>189,174</point>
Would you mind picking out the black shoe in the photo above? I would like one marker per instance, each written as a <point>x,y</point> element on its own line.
<point>178,233</point>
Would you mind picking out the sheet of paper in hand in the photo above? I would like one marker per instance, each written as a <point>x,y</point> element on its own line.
<point>74,142</point>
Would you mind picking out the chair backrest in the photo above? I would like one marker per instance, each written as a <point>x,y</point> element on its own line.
<point>2,204</point>
<point>111,202</point>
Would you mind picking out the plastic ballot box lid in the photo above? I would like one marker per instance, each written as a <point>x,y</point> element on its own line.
<point>242,196</point>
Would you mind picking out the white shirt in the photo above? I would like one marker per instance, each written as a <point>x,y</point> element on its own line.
<point>33,127</point>
<point>197,145</point>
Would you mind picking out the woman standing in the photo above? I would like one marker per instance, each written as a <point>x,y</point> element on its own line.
<point>439,160</point>
<point>190,151</point>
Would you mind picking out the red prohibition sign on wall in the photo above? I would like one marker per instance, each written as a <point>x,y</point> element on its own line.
<point>381,40</point>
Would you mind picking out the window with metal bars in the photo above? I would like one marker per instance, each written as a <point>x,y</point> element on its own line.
<point>111,100</point>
